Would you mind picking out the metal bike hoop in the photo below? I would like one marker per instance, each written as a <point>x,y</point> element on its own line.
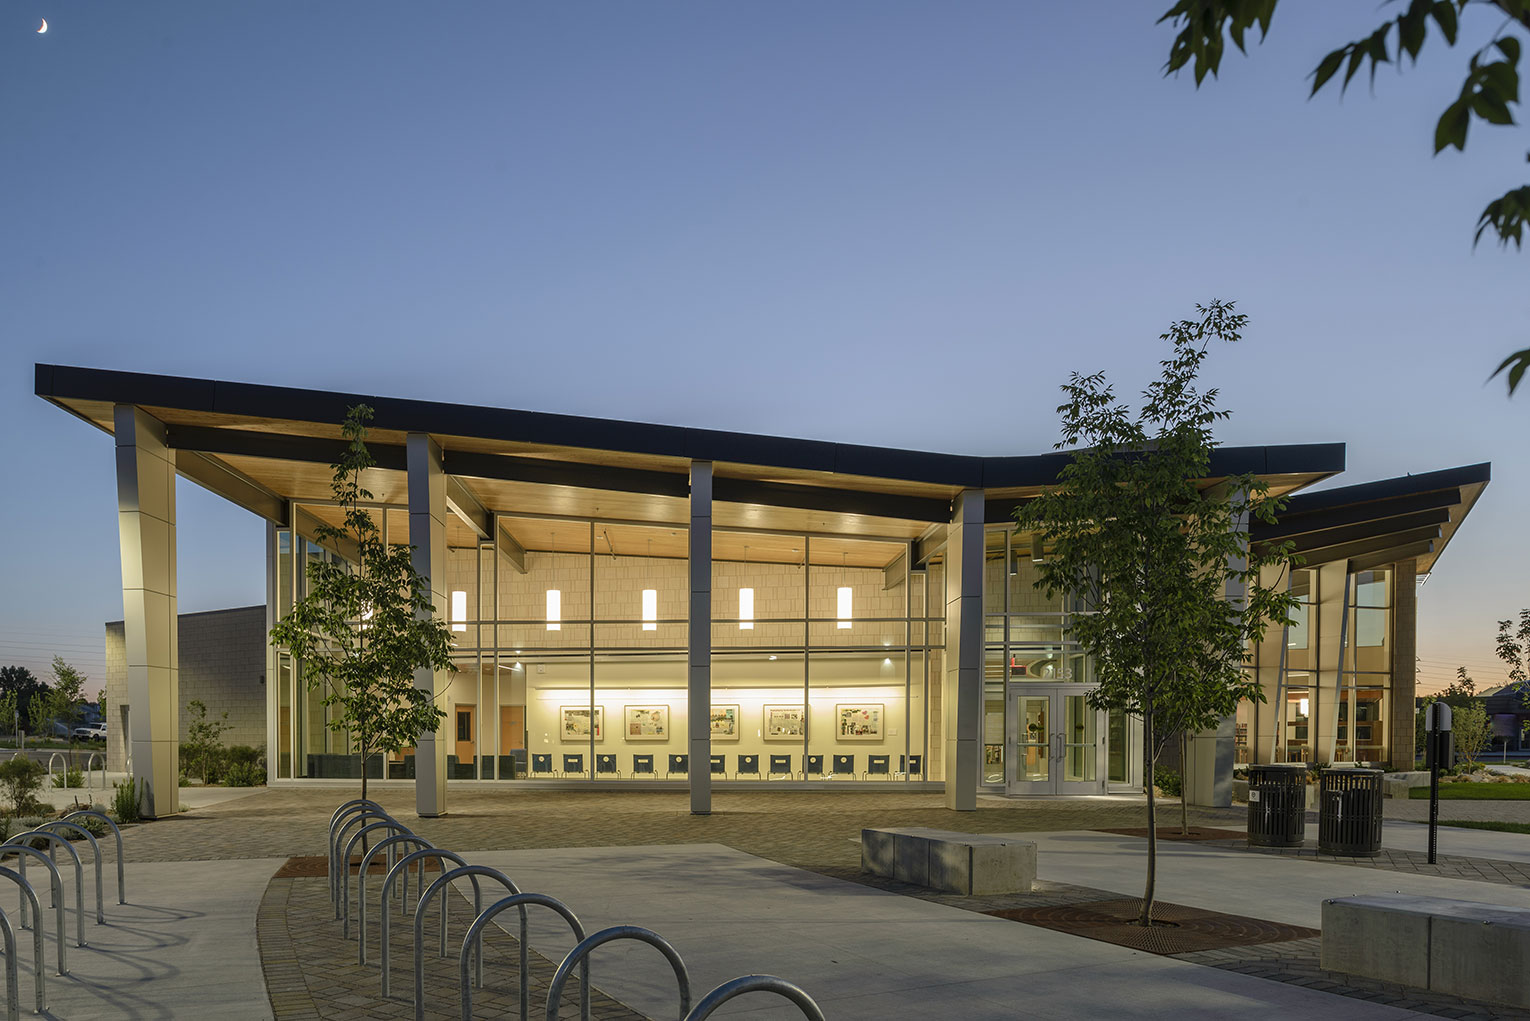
<point>474,938</point>
<point>54,840</point>
<point>756,984</point>
<point>402,866</point>
<point>93,814</point>
<point>398,829</point>
<point>618,932</point>
<point>96,848</point>
<point>39,969</point>
<point>56,886</point>
<point>442,884</point>
<point>361,886</point>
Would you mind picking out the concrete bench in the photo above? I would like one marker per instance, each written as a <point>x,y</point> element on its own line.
<point>963,863</point>
<point>1463,948</point>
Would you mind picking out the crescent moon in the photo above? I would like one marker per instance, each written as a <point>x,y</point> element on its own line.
<point>44,27</point>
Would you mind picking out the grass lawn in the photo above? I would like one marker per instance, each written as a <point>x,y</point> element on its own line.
<point>1475,792</point>
<point>1476,824</point>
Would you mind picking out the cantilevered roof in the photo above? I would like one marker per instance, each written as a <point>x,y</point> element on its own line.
<point>264,445</point>
<point>1376,523</point>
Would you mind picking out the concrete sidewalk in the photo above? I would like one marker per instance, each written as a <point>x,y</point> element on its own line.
<point>182,947</point>
<point>864,954</point>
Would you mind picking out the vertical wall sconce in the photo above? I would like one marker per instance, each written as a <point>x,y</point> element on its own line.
<point>650,609</point>
<point>554,609</point>
<point>746,609</point>
<point>459,610</point>
<point>844,607</point>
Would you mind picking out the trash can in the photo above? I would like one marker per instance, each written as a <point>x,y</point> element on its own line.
<point>1277,804</point>
<point>1349,812</point>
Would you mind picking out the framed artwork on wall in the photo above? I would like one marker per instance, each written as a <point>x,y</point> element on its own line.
<point>861,721</point>
<point>646,722</point>
<point>785,722</point>
<point>577,725</point>
<point>725,723</point>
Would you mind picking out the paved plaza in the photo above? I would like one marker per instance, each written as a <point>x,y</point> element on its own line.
<point>769,882</point>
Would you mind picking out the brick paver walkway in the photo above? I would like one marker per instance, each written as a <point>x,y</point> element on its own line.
<point>1478,870</point>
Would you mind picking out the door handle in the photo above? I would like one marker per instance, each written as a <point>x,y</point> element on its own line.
<point>1058,741</point>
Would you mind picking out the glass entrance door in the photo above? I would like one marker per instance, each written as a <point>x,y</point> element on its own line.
<point>1056,739</point>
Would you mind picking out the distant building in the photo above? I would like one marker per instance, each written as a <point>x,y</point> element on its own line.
<point>1508,712</point>
<point>222,662</point>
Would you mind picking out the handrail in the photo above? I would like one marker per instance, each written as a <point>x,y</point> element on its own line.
<point>402,865</point>
<point>345,894</point>
<point>54,840</point>
<point>444,882</point>
<point>361,886</point>
<point>55,886</point>
<point>354,805</point>
<point>93,757</point>
<point>336,866</point>
<point>12,993</point>
<point>100,913</point>
<point>91,813</point>
<point>474,938</point>
<point>12,980</point>
<point>616,932</point>
<point>755,984</point>
<point>58,755</point>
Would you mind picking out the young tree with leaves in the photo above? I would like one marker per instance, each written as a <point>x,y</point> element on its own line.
<point>23,684</point>
<point>1490,88</point>
<point>1514,649</point>
<point>365,627</point>
<point>1155,552</point>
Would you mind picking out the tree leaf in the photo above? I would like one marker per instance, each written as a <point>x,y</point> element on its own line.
<point>1516,363</point>
<point>1445,16</point>
<point>1451,129</point>
<point>1326,69</point>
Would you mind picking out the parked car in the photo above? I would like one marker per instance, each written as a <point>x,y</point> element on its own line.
<point>91,732</point>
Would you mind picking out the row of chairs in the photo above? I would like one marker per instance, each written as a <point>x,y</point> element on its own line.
<point>744,766</point>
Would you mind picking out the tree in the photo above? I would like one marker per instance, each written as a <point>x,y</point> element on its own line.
<point>1469,731</point>
<point>21,682</point>
<point>365,627</point>
<point>1514,649</point>
<point>204,737</point>
<point>9,716</point>
<point>1459,694</point>
<point>1153,552</point>
<point>1491,85</point>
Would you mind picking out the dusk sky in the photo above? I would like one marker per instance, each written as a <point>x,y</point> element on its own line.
<point>878,222</point>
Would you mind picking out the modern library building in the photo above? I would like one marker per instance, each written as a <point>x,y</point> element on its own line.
<point>656,606</point>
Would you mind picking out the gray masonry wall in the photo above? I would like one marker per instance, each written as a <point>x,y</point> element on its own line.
<point>222,662</point>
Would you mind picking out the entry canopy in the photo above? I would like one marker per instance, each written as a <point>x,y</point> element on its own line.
<point>267,448</point>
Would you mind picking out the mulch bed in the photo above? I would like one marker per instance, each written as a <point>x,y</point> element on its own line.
<point>318,866</point>
<point>1188,929</point>
<point>1173,833</point>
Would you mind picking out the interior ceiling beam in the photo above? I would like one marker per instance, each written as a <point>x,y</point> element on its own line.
<point>928,544</point>
<point>461,501</point>
<point>895,572</point>
<point>215,476</point>
<point>1371,561</point>
<point>1304,541</point>
<point>307,525</point>
<point>1292,523</point>
<point>509,547</point>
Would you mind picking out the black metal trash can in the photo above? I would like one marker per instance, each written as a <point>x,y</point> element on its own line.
<point>1277,804</point>
<point>1349,812</point>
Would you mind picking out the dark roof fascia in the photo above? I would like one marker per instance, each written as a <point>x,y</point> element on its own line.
<point>61,382</point>
<point>1388,489</point>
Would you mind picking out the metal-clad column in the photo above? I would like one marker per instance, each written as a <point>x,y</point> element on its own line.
<point>146,529</point>
<point>962,698</point>
<point>427,534</point>
<point>698,639</point>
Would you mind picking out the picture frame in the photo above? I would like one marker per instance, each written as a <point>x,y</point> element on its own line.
<point>725,723</point>
<point>645,722</point>
<point>859,721</point>
<point>577,726</point>
<point>785,723</point>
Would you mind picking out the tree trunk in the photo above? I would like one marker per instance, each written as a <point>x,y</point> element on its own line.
<point>1146,917</point>
<point>1184,784</point>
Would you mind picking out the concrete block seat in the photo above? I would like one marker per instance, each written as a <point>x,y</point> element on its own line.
<point>1463,948</point>
<point>969,864</point>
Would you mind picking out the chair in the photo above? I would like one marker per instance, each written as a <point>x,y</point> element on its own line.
<point>812,766</point>
<point>719,766</point>
<point>879,765</point>
<point>678,764</point>
<point>642,764</point>
<point>512,766</point>
<point>780,765</point>
<point>843,764</point>
<point>541,765</point>
<point>573,764</point>
<point>914,765</point>
<point>605,765</point>
<point>748,765</point>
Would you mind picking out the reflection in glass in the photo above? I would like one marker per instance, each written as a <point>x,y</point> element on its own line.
<point>1035,737</point>
<point>1078,739</point>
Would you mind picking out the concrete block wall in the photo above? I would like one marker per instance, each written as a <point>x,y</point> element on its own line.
<point>222,662</point>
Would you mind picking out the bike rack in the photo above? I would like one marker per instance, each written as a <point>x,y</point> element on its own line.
<point>100,912</point>
<point>354,805</point>
<point>91,813</point>
<point>65,758</point>
<point>616,932</point>
<point>345,895</point>
<point>444,883</point>
<point>474,938</point>
<point>361,895</point>
<point>54,840</point>
<point>93,757</point>
<point>337,833</point>
<point>403,864</point>
<point>755,984</point>
<point>56,888</point>
<point>12,993</point>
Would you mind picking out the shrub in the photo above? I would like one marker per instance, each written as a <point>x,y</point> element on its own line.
<point>69,778</point>
<point>1168,781</point>
<point>125,800</point>
<point>21,779</point>
<point>244,774</point>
